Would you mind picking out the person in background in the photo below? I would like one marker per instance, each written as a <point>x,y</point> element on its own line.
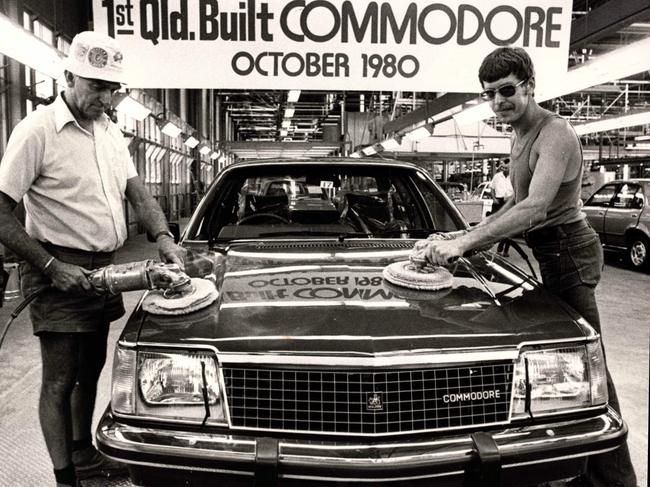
<point>70,165</point>
<point>546,170</point>
<point>501,191</point>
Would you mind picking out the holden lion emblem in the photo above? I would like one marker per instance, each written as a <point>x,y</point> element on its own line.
<point>374,401</point>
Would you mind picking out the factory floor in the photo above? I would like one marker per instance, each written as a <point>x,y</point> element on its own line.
<point>623,297</point>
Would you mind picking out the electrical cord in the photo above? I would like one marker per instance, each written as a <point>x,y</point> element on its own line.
<point>25,302</point>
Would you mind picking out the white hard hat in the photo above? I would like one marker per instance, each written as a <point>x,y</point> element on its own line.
<point>95,56</point>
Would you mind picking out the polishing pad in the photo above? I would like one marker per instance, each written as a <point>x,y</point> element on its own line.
<point>425,278</point>
<point>203,293</point>
<point>416,295</point>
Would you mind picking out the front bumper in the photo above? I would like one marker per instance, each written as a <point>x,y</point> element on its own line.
<point>514,456</point>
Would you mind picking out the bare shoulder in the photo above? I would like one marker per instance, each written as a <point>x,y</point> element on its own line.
<point>557,129</point>
<point>558,135</point>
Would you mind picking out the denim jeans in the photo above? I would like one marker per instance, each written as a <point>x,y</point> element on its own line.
<point>570,265</point>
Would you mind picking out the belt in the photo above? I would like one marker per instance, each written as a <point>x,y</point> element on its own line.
<point>555,232</point>
<point>68,250</point>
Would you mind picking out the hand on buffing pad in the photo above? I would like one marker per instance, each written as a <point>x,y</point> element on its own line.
<point>417,272</point>
<point>418,255</point>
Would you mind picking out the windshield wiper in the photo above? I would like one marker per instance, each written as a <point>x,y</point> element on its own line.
<point>424,232</point>
<point>316,233</point>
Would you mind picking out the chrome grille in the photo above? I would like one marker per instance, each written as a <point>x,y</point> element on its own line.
<point>376,402</point>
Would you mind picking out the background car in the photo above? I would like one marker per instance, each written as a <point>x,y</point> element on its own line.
<point>477,205</point>
<point>456,191</point>
<point>620,212</point>
<point>311,369</point>
<point>482,192</point>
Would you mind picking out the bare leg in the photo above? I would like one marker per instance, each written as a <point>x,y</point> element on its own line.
<point>92,357</point>
<point>59,353</point>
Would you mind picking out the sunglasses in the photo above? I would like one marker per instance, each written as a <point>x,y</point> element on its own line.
<point>505,91</point>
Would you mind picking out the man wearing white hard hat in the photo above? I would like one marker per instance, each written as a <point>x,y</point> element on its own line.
<point>70,165</point>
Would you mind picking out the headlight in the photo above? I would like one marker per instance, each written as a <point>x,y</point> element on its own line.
<point>169,385</point>
<point>555,380</point>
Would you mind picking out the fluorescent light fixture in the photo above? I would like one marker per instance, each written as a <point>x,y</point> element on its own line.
<point>191,142</point>
<point>642,137</point>
<point>204,150</point>
<point>447,113</point>
<point>169,128</point>
<point>473,114</point>
<point>614,65</point>
<point>632,120</point>
<point>392,144</point>
<point>214,155</point>
<point>369,150</point>
<point>286,124</point>
<point>293,96</point>
<point>419,133</point>
<point>289,111</point>
<point>132,108</point>
<point>27,49</point>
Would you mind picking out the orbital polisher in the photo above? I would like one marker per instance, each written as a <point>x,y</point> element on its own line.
<point>417,273</point>
<point>171,291</point>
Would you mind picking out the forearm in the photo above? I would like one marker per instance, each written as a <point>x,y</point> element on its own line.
<point>146,207</point>
<point>150,214</point>
<point>14,237</point>
<point>512,220</point>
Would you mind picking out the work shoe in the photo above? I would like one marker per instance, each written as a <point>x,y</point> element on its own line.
<point>100,466</point>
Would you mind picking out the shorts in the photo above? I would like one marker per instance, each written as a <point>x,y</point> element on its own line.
<point>58,311</point>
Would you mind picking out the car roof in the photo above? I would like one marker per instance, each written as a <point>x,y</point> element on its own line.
<point>324,160</point>
<point>644,182</point>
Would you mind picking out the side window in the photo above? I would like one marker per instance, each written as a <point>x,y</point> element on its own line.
<point>638,202</point>
<point>602,197</point>
<point>438,207</point>
<point>625,196</point>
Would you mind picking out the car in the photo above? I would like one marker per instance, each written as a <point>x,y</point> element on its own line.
<point>482,192</point>
<point>620,212</point>
<point>478,204</point>
<point>311,369</point>
<point>284,186</point>
<point>456,191</point>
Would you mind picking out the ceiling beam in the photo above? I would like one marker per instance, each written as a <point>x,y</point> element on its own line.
<point>431,108</point>
<point>607,19</point>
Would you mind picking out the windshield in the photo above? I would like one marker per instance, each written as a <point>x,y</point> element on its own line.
<point>320,200</point>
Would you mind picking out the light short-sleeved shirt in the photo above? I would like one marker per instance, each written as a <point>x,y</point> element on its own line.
<point>73,182</point>
<point>501,186</point>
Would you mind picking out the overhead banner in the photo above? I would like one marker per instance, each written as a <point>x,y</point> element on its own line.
<point>330,44</point>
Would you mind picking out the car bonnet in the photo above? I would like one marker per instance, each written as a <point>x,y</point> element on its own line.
<point>337,303</point>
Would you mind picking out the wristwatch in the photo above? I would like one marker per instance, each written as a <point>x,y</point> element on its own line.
<point>163,232</point>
